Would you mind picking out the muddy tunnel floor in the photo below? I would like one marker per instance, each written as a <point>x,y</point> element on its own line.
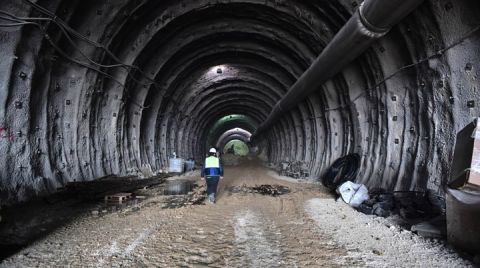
<point>302,227</point>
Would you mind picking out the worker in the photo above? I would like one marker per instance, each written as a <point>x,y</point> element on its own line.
<point>212,172</point>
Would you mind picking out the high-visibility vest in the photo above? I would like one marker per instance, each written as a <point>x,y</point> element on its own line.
<point>212,162</point>
<point>212,166</point>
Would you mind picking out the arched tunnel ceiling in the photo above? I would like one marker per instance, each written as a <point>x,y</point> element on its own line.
<point>236,133</point>
<point>97,87</point>
<point>228,123</point>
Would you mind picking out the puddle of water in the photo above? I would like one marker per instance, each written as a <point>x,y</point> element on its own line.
<point>179,187</point>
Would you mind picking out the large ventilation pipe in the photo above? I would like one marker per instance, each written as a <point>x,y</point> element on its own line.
<point>373,20</point>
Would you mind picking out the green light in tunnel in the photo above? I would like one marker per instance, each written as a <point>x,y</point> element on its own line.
<point>234,120</point>
<point>237,147</point>
<point>232,117</point>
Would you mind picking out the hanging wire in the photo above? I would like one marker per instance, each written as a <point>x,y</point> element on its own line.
<point>439,53</point>
<point>21,22</point>
<point>60,23</point>
<point>69,34</point>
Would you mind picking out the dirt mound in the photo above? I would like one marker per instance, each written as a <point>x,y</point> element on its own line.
<point>232,160</point>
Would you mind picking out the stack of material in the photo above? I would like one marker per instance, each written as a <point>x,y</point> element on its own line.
<point>117,199</point>
<point>296,169</point>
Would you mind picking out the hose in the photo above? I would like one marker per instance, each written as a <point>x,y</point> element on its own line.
<point>342,170</point>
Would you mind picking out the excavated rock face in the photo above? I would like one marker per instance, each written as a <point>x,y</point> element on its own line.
<point>103,87</point>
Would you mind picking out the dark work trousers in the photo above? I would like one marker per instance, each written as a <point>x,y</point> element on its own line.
<point>212,184</point>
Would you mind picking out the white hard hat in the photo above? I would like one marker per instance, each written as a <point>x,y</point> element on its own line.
<point>213,151</point>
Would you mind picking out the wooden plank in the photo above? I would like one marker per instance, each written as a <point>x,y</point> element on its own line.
<point>118,198</point>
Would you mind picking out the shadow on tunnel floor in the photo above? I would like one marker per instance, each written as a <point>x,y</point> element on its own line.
<point>23,224</point>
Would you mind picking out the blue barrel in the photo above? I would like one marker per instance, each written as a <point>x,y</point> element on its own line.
<point>189,165</point>
<point>175,165</point>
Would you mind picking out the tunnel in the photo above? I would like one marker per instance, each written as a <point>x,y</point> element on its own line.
<point>99,88</point>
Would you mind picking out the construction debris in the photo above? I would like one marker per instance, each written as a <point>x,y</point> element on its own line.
<point>296,169</point>
<point>380,205</point>
<point>272,190</point>
<point>117,199</point>
<point>352,193</point>
<point>413,205</point>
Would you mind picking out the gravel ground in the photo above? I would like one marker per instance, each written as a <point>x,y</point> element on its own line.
<point>377,241</point>
<point>304,228</point>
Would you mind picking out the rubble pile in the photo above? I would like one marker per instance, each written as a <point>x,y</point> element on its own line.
<point>381,205</point>
<point>295,169</point>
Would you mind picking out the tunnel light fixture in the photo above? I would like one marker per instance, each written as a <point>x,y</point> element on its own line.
<point>217,70</point>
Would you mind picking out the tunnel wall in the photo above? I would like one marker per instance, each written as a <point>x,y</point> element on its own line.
<point>404,128</point>
<point>101,87</point>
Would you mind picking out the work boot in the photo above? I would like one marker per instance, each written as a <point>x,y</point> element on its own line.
<point>211,198</point>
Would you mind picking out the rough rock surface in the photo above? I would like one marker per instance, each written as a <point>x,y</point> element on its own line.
<point>94,88</point>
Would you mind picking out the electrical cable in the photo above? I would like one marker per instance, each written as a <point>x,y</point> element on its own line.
<point>64,25</point>
<point>15,24</point>
<point>68,37</point>
<point>436,55</point>
<point>63,53</point>
<point>68,32</point>
<point>365,91</point>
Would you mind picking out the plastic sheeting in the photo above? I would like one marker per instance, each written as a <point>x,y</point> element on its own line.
<point>352,193</point>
